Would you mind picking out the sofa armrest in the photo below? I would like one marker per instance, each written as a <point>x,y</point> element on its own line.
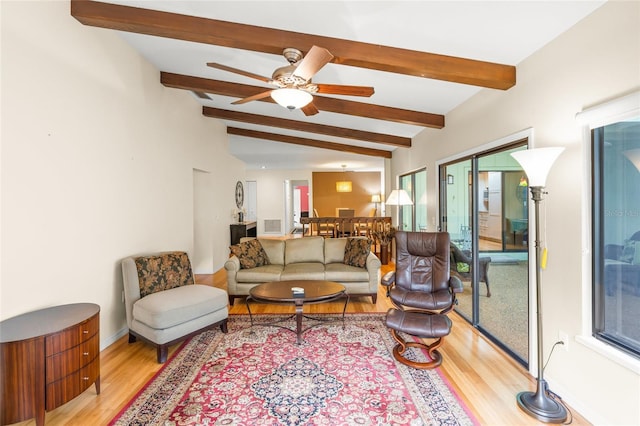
<point>131,287</point>
<point>232,266</point>
<point>373,268</point>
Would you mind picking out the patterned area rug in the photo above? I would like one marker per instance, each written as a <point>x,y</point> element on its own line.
<point>340,375</point>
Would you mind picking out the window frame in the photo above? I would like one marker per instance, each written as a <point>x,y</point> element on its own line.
<point>619,109</point>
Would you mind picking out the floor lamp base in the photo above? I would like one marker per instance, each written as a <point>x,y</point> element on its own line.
<point>539,405</point>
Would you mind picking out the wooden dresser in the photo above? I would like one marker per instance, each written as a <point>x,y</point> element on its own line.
<point>47,358</point>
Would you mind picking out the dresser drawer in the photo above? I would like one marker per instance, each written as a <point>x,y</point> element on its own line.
<point>64,363</point>
<point>72,336</point>
<point>64,390</point>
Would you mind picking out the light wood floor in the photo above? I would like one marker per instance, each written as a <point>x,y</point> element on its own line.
<point>482,375</point>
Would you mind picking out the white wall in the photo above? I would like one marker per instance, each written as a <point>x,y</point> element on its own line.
<point>597,60</point>
<point>98,161</point>
<point>270,189</point>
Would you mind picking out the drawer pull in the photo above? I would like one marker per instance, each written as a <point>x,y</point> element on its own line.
<point>85,331</point>
<point>85,353</point>
<point>85,378</point>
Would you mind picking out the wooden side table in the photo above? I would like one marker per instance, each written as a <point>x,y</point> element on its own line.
<point>242,229</point>
<point>47,358</point>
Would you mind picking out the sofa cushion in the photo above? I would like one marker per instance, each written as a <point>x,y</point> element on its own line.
<point>178,305</point>
<point>261,274</point>
<point>307,249</point>
<point>303,271</point>
<point>356,251</point>
<point>342,273</point>
<point>250,253</point>
<point>163,272</point>
<point>274,249</point>
<point>334,250</point>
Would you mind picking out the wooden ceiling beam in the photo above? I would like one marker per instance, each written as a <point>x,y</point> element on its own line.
<point>308,142</point>
<point>340,106</point>
<point>339,132</point>
<point>268,40</point>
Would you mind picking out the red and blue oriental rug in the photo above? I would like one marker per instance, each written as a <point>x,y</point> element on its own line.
<point>340,375</point>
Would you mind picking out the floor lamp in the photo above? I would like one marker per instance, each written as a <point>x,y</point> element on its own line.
<point>398,197</point>
<point>536,163</point>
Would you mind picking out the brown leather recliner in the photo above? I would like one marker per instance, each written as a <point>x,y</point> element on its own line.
<point>423,292</point>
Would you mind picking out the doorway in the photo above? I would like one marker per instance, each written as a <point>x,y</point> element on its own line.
<point>483,206</point>
<point>296,204</point>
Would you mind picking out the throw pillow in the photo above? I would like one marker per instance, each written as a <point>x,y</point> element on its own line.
<point>356,251</point>
<point>250,253</point>
<point>163,272</point>
<point>628,251</point>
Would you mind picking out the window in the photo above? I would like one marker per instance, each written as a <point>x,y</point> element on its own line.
<point>414,217</point>
<point>615,146</point>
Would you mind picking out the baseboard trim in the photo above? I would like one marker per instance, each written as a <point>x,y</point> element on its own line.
<point>104,344</point>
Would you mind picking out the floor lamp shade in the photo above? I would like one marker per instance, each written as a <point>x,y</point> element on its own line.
<point>536,163</point>
<point>539,404</point>
<point>398,197</point>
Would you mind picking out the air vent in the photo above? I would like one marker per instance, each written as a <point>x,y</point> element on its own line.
<point>272,226</point>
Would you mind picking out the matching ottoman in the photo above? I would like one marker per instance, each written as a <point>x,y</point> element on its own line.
<point>419,324</point>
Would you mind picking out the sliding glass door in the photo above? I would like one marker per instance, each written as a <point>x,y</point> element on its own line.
<point>483,203</point>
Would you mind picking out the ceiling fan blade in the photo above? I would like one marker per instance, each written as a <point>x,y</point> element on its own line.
<point>309,109</point>
<point>237,71</point>
<point>255,97</point>
<point>317,58</point>
<point>338,89</point>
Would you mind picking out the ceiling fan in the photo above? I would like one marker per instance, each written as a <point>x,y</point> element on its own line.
<point>294,88</point>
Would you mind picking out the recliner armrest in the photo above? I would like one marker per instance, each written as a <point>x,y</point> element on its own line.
<point>388,279</point>
<point>456,284</point>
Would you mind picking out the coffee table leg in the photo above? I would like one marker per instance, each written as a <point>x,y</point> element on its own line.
<point>344,309</point>
<point>298,321</point>
<point>246,301</point>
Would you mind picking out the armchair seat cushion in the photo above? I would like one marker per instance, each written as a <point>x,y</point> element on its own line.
<point>433,301</point>
<point>169,308</point>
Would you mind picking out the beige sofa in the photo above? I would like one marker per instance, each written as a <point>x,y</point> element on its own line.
<point>308,258</point>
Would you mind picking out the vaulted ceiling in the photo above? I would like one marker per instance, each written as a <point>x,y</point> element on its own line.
<point>422,59</point>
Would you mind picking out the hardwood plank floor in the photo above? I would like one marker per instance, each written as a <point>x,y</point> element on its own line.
<point>484,377</point>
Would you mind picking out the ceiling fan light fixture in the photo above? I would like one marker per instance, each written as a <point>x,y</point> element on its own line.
<point>291,98</point>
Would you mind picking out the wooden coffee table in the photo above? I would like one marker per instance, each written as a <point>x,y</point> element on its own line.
<point>280,292</point>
